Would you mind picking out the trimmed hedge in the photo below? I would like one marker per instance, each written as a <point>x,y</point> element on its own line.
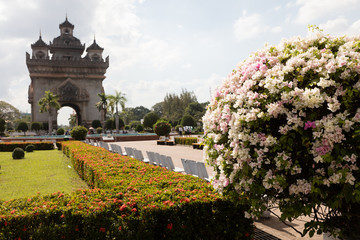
<point>132,200</point>
<point>10,146</point>
<point>186,140</point>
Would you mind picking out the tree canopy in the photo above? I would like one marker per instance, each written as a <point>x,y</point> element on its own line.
<point>8,112</point>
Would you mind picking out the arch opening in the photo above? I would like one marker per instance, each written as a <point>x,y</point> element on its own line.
<point>68,116</point>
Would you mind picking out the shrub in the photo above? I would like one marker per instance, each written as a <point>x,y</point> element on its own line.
<point>134,123</point>
<point>289,115</point>
<point>186,140</point>
<point>18,153</point>
<point>10,146</point>
<point>79,133</point>
<point>96,124</point>
<point>23,126</point>
<point>60,131</point>
<point>35,126</point>
<point>162,128</point>
<point>127,127</point>
<point>128,200</point>
<point>139,128</point>
<point>30,148</point>
<point>99,130</point>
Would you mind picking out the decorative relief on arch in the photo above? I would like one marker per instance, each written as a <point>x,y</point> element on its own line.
<point>68,91</point>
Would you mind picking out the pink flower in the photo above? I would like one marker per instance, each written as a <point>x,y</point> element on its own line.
<point>309,124</point>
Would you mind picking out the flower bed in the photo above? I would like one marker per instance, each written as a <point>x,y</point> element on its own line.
<point>10,146</point>
<point>284,128</point>
<point>130,200</point>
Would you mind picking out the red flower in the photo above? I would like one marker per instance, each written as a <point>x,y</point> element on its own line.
<point>247,234</point>
<point>25,229</point>
<point>76,228</point>
<point>122,208</point>
<point>102,230</point>
<point>169,226</point>
<point>133,210</point>
<point>120,228</point>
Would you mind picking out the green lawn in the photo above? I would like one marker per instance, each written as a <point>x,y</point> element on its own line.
<point>39,172</point>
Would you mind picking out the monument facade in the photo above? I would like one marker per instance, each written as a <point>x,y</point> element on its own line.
<point>60,68</point>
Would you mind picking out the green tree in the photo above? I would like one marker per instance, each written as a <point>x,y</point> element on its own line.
<point>22,127</point>
<point>96,123</point>
<point>8,112</point>
<point>35,126</point>
<point>197,110</point>
<point>115,100</point>
<point>47,103</point>
<point>2,126</point>
<point>188,120</point>
<point>174,106</point>
<point>150,119</point>
<point>158,109</point>
<point>102,106</point>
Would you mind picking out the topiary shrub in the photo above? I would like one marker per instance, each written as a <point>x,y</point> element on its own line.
<point>18,153</point>
<point>79,133</point>
<point>139,128</point>
<point>96,123</point>
<point>60,131</point>
<point>162,128</point>
<point>30,148</point>
<point>99,130</point>
<point>285,124</point>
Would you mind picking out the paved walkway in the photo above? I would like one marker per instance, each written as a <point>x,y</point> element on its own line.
<point>272,225</point>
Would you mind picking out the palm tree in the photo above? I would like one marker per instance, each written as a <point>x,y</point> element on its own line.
<point>47,103</point>
<point>102,106</point>
<point>118,98</point>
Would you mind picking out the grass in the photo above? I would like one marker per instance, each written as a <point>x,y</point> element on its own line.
<point>39,172</point>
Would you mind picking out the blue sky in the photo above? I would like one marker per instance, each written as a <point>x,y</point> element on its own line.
<point>161,46</point>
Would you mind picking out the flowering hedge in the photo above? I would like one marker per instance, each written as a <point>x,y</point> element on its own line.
<point>284,128</point>
<point>10,146</point>
<point>130,200</point>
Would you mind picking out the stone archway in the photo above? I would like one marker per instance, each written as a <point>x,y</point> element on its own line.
<point>75,79</point>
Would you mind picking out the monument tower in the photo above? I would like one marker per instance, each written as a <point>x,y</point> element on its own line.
<point>60,68</point>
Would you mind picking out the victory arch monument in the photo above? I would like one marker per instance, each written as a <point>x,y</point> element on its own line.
<point>75,79</point>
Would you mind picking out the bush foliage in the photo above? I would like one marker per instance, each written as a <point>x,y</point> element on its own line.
<point>10,146</point>
<point>128,200</point>
<point>30,148</point>
<point>79,133</point>
<point>18,153</point>
<point>162,128</point>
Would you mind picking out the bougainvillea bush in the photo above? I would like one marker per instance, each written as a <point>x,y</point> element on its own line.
<point>129,199</point>
<point>284,128</point>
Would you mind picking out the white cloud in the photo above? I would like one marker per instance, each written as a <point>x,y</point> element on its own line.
<point>250,26</point>
<point>311,10</point>
<point>341,26</point>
